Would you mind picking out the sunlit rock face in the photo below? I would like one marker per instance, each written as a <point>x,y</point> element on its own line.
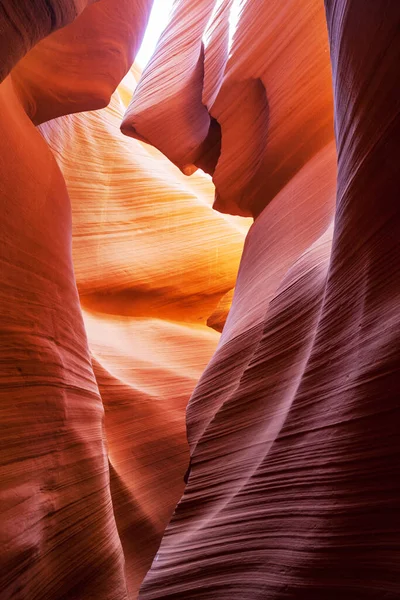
<point>259,103</point>
<point>24,24</point>
<point>293,489</point>
<point>58,532</point>
<point>94,449</point>
<point>152,260</point>
<point>117,278</point>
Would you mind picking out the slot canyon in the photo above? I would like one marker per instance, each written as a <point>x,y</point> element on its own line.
<point>200,300</point>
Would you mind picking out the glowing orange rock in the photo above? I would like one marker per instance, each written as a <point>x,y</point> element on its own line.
<point>79,67</point>
<point>152,260</point>
<point>58,532</point>
<point>24,24</point>
<point>262,108</point>
<point>59,536</point>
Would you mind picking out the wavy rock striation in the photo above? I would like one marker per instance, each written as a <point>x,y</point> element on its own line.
<point>152,259</point>
<point>293,490</point>
<point>58,534</point>
<point>94,448</point>
<point>117,275</point>
<point>251,110</point>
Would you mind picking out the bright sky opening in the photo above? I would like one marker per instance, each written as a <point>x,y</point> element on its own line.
<point>158,20</point>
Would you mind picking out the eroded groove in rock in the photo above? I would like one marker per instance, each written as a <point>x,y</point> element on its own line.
<point>245,393</point>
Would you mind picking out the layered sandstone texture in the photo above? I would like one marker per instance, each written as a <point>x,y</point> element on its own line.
<point>117,277</point>
<point>95,386</point>
<point>293,490</point>
<point>152,260</point>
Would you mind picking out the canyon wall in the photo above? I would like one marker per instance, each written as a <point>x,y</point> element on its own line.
<point>118,275</point>
<point>152,259</point>
<point>112,263</point>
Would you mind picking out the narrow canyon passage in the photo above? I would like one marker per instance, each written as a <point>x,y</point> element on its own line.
<point>199,262</point>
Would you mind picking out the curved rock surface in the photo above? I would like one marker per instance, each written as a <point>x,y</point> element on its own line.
<point>58,533</point>
<point>214,543</point>
<point>293,490</point>
<point>152,260</point>
<point>24,24</point>
<point>67,482</point>
<point>252,110</point>
<point>78,67</point>
<point>117,277</point>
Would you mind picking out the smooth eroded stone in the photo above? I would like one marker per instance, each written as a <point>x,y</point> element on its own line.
<point>24,24</point>
<point>251,105</point>
<point>58,536</point>
<point>79,67</point>
<point>294,489</point>
<point>152,260</point>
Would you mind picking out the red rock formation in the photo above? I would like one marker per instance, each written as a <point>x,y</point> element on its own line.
<point>24,24</point>
<point>293,490</point>
<point>270,100</point>
<point>58,532</point>
<point>151,259</point>
<point>78,68</point>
